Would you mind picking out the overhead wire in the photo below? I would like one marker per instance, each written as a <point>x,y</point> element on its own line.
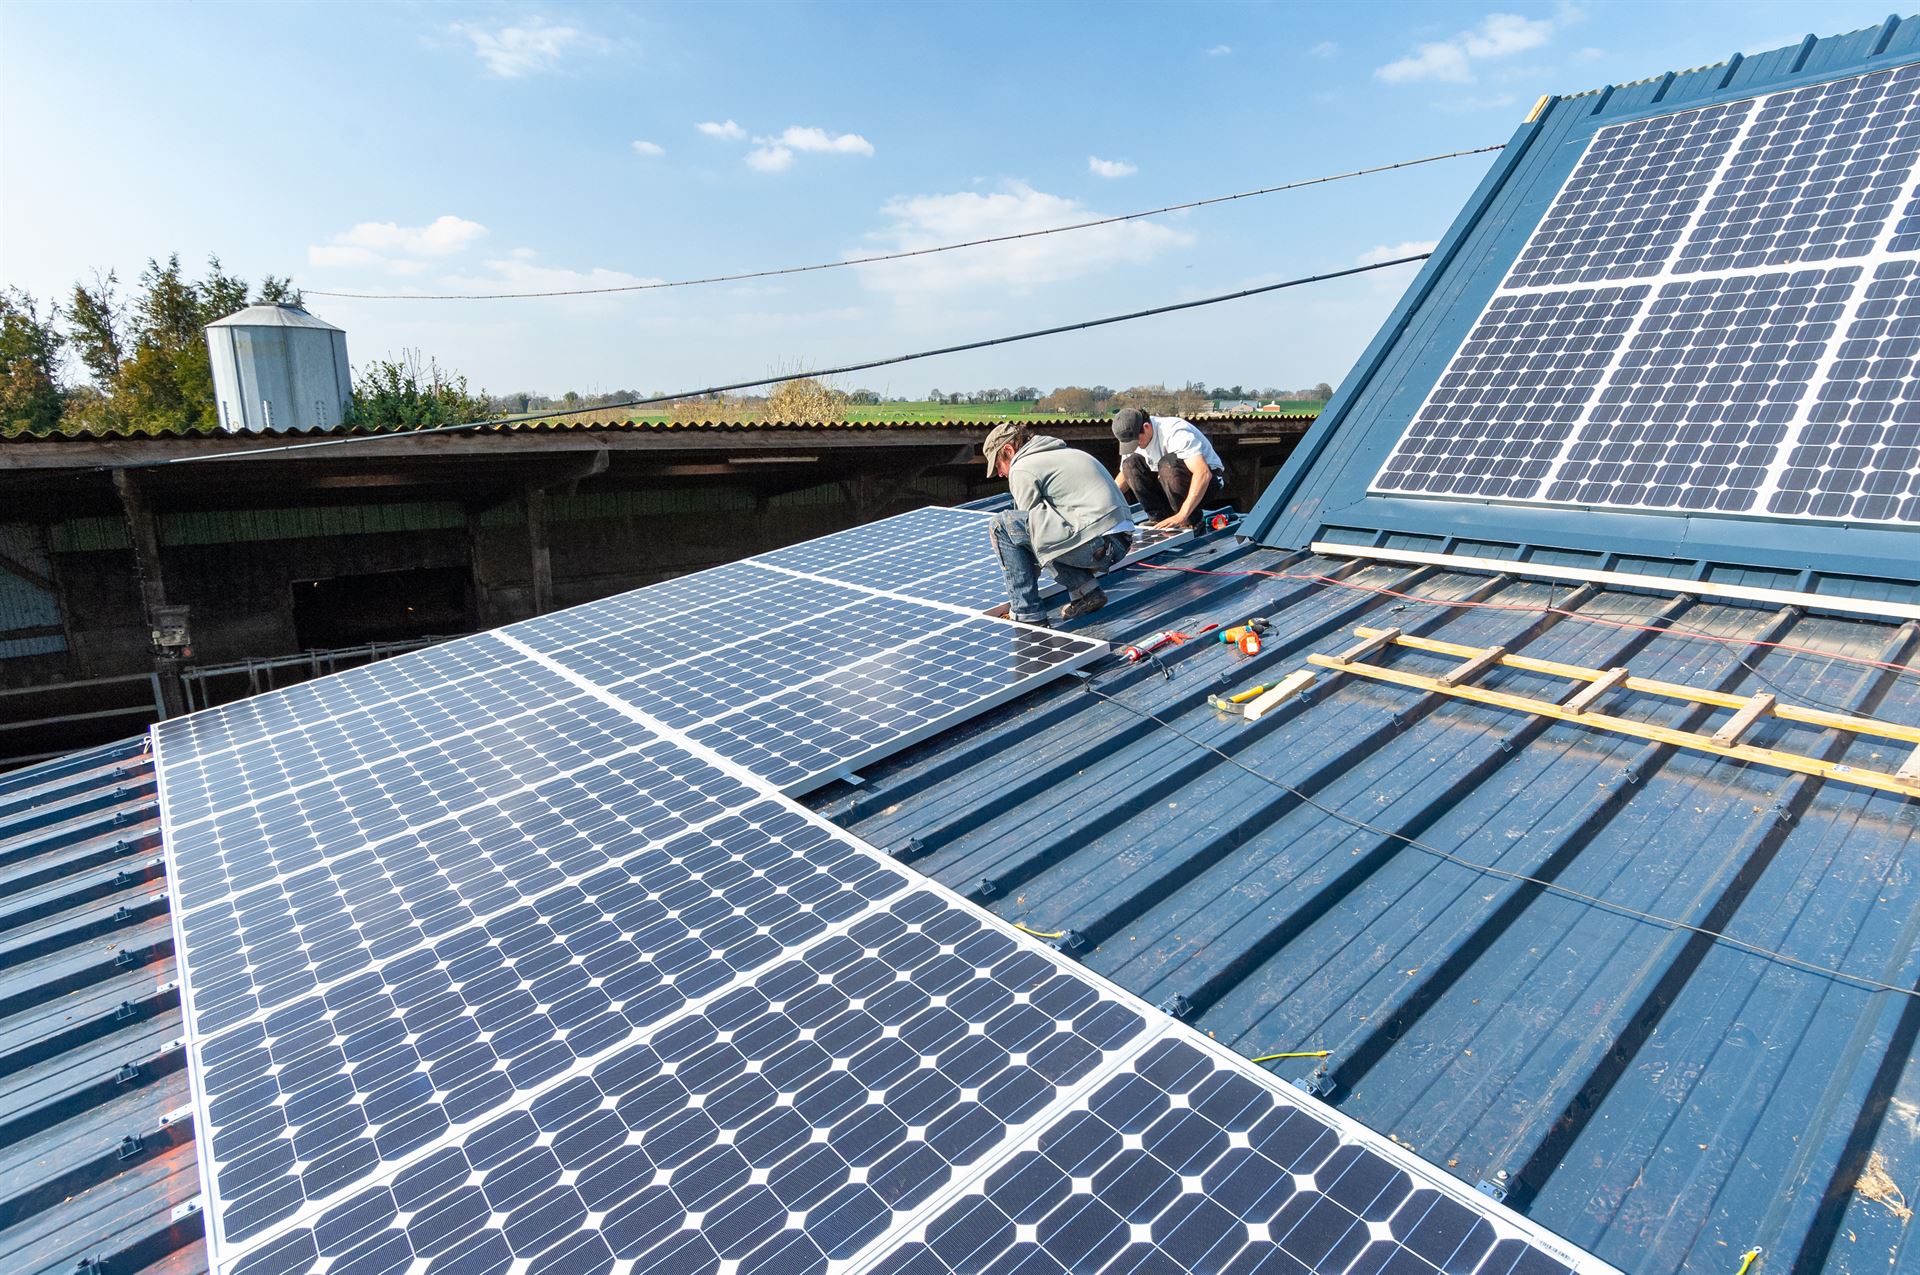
<point>905,253</point>
<point>1553,887</point>
<point>347,440</point>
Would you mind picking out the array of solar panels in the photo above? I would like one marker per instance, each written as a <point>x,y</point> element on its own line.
<point>1719,314</point>
<point>488,968</point>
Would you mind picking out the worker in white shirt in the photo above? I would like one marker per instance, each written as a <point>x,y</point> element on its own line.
<point>1168,466</point>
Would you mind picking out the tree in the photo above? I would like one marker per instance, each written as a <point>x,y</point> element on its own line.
<point>96,323</point>
<point>405,393</point>
<point>30,397</point>
<point>1323,391</point>
<point>278,292</point>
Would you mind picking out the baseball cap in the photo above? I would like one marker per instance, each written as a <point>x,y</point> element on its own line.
<point>999,436</point>
<point>1127,423</point>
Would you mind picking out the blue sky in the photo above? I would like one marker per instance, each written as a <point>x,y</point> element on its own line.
<point>434,148</point>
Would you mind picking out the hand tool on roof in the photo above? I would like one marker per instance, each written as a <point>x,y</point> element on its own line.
<point>1236,704</point>
<point>1258,624</point>
<point>1134,654</point>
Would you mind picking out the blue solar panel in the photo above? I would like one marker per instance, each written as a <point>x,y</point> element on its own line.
<point>361,981</point>
<point>783,1124</point>
<point>1622,212</point>
<point>1512,396</point>
<point>1858,456</point>
<point>1732,388</point>
<point>1183,1162</point>
<point>1815,178</point>
<point>1695,414</point>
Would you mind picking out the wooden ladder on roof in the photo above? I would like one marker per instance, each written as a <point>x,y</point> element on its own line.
<point>1591,685</point>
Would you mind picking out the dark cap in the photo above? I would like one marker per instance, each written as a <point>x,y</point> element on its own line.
<point>997,437</point>
<point>1127,423</point>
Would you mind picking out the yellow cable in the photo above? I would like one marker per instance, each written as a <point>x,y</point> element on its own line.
<point>1748,1258</point>
<point>1304,1053</point>
<point>1039,934</point>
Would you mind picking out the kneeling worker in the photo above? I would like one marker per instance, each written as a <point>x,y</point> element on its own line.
<point>1168,466</point>
<point>1068,517</point>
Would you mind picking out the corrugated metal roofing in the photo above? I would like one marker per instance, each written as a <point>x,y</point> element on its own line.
<point>89,1025</point>
<point>1663,1099</point>
<point>586,422</point>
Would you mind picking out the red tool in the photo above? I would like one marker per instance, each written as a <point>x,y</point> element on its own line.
<point>1134,654</point>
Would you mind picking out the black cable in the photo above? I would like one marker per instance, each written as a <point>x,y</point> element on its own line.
<point>1718,936</point>
<point>345,440</point>
<point>897,256</point>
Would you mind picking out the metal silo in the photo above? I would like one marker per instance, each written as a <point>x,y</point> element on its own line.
<point>277,369</point>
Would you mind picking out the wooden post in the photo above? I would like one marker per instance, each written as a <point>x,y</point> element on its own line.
<point>537,547</point>
<point>479,587</point>
<point>145,535</point>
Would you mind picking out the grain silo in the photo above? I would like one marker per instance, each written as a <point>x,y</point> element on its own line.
<point>278,369</point>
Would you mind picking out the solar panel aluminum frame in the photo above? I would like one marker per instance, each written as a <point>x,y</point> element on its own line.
<point>1322,492</point>
<point>1158,1027</point>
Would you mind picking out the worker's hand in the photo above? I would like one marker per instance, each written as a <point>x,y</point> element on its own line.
<point>1175,523</point>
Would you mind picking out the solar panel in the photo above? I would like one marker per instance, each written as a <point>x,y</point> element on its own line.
<point>1815,177</point>
<point>1621,214</point>
<point>1743,377</point>
<point>1183,1161</point>
<point>362,980</point>
<point>1512,396</point>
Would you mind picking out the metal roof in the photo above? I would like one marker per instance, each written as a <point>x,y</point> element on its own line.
<point>96,1143</point>
<point>1322,493</point>
<point>1661,1098</point>
<point>642,424</point>
<point>277,315</point>
<point>1664,1099</point>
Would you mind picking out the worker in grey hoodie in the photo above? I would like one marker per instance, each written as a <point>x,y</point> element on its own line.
<point>1068,517</point>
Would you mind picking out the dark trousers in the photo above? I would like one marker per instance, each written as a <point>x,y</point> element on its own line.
<point>1161,493</point>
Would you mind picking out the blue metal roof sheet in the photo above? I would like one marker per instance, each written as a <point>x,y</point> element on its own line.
<point>1665,1099</point>
<point>1321,493</point>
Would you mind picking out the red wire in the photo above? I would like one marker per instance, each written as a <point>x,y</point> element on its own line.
<point>1539,610</point>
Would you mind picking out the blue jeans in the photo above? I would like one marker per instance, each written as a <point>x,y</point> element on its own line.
<point>1075,570</point>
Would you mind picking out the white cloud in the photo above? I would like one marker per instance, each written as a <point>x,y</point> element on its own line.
<point>727,132</point>
<point>1324,49</point>
<point>925,221</point>
<point>818,139</point>
<point>775,154</point>
<point>1393,252</point>
<point>1589,54</point>
<point>648,148</point>
<point>770,159</point>
<point>394,248</point>
<point>1110,167</point>
<point>512,52</point>
<point>1219,50</point>
<point>1499,35</point>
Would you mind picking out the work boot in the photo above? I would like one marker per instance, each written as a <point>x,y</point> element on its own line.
<point>1086,604</point>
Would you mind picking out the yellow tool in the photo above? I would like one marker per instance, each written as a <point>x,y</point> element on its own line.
<point>1233,703</point>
